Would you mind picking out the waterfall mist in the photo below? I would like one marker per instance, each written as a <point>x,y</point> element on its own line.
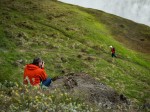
<point>136,10</point>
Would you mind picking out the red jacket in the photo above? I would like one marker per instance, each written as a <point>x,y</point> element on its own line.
<point>34,75</point>
<point>113,50</point>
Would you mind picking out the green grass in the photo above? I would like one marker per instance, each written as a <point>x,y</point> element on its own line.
<point>33,99</point>
<point>59,33</point>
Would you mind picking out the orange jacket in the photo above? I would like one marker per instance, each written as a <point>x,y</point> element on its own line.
<point>34,75</point>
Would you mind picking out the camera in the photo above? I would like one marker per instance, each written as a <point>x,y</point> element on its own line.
<point>42,64</point>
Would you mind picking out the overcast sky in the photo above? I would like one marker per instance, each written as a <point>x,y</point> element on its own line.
<point>136,10</point>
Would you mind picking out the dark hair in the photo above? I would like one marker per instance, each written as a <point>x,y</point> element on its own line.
<point>36,61</point>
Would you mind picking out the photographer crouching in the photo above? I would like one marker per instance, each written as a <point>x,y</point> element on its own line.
<point>35,74</point>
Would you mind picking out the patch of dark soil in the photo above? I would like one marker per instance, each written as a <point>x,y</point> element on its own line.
<point>90,90</point>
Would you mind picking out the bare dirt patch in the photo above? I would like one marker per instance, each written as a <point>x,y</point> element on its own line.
<point>90,90</point>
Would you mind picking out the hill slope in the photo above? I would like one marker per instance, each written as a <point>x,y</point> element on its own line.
<point>132,35</point>
<point>73,39</point>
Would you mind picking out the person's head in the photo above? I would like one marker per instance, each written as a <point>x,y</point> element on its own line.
<point>111,46</point>
<point>37,62</point>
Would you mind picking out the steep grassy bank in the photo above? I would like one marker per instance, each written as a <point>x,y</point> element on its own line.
<point>132,35</point>
<point>70,39</point>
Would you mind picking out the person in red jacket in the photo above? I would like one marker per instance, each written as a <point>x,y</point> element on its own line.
<point>113,51</point>
<point>35,74</point>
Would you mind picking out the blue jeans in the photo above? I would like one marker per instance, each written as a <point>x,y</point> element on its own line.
<point>47,82</point>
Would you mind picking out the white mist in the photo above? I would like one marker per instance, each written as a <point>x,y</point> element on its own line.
<point>136,10</point>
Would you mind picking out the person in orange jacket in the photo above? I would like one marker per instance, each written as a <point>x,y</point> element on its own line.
<point>35,74</point>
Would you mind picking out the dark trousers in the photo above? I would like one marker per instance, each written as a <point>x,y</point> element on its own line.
<point>47,82</point>
<point>113,55</point>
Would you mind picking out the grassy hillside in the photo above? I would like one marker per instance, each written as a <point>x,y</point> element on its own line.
<point>131,34</point>
<point>73,39</point>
